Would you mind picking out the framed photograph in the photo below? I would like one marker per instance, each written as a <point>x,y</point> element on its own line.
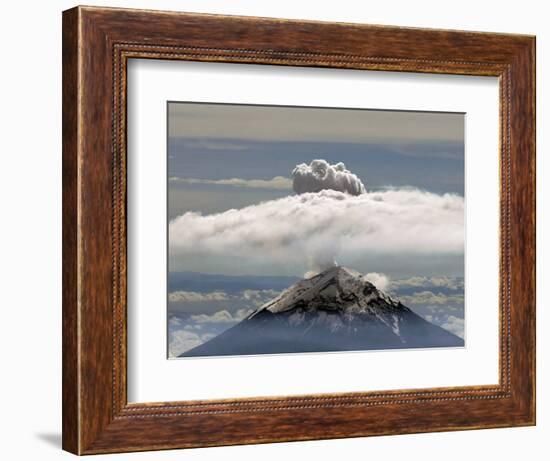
<point>282,230</point>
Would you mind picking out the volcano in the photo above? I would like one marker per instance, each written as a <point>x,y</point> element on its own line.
<point>336,310</point>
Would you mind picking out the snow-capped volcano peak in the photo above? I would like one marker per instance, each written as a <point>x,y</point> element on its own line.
<point>336,288</point>
<point>336,310</point>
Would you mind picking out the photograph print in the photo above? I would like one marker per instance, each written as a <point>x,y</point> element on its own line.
<point>313,230</point>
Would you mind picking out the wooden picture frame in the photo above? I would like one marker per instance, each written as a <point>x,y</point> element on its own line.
<point>97,43</point>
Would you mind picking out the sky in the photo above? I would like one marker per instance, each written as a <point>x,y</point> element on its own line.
<point>234,215</point>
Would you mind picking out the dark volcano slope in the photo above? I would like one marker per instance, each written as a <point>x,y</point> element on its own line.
<point>337,310</point>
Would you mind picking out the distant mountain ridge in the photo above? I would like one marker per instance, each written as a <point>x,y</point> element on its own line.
<point>336,310</point>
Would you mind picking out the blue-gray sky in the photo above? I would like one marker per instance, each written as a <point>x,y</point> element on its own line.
<point>384,148</point>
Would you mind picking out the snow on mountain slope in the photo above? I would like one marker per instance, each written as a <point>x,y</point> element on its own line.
<point>336,310</point>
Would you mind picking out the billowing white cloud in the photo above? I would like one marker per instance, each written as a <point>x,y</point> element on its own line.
<point>320,175</point>
<point>222,316</point>
<point>448,322</point>
<point>319,227</point>
<point>181,341</point>
<point>428,297</point>
<point>452,283</point>
<point>380,281</point>
<point>447,282</point>
<point>207,337</point>
<point>253,297</point>
<point>193,296</point>
<point>174,322</point>
<point>259,297</point>
<point>242,313</point>
<point>277,183</point>
<point>454,325</point>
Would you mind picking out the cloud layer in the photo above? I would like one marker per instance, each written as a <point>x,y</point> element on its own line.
<point>320,175</point>
<point>454,325</point>
<point>320,227</point>
<point>452,283</point>
<point>427,297</point>
<point>223,316</point>
<point>188,326</point>
<point>193,296</point>
<point>249,296</point>
<point>277,183</point>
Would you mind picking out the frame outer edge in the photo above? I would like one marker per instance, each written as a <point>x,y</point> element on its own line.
<point>70,190</point>
<point>522,190</point>
<point>533,69</point>
<point>91,419</point>
<point>529,131</point>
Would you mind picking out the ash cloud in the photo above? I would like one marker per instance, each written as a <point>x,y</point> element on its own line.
<point>320,175</point>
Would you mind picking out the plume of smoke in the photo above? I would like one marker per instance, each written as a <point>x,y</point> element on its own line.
<point>380,281</point>
<point>320,175</point>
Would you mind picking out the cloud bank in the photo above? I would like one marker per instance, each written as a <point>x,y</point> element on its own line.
<point>428,297</point>
<point>193,296</point>
<point>254,297</point>
<point>320,175</point>
<point>320,227</point>
<point>181,341</point>
<point>452,283</point>
<point>454,325</point>
<point>223,316</point>
<point>277,183</point>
